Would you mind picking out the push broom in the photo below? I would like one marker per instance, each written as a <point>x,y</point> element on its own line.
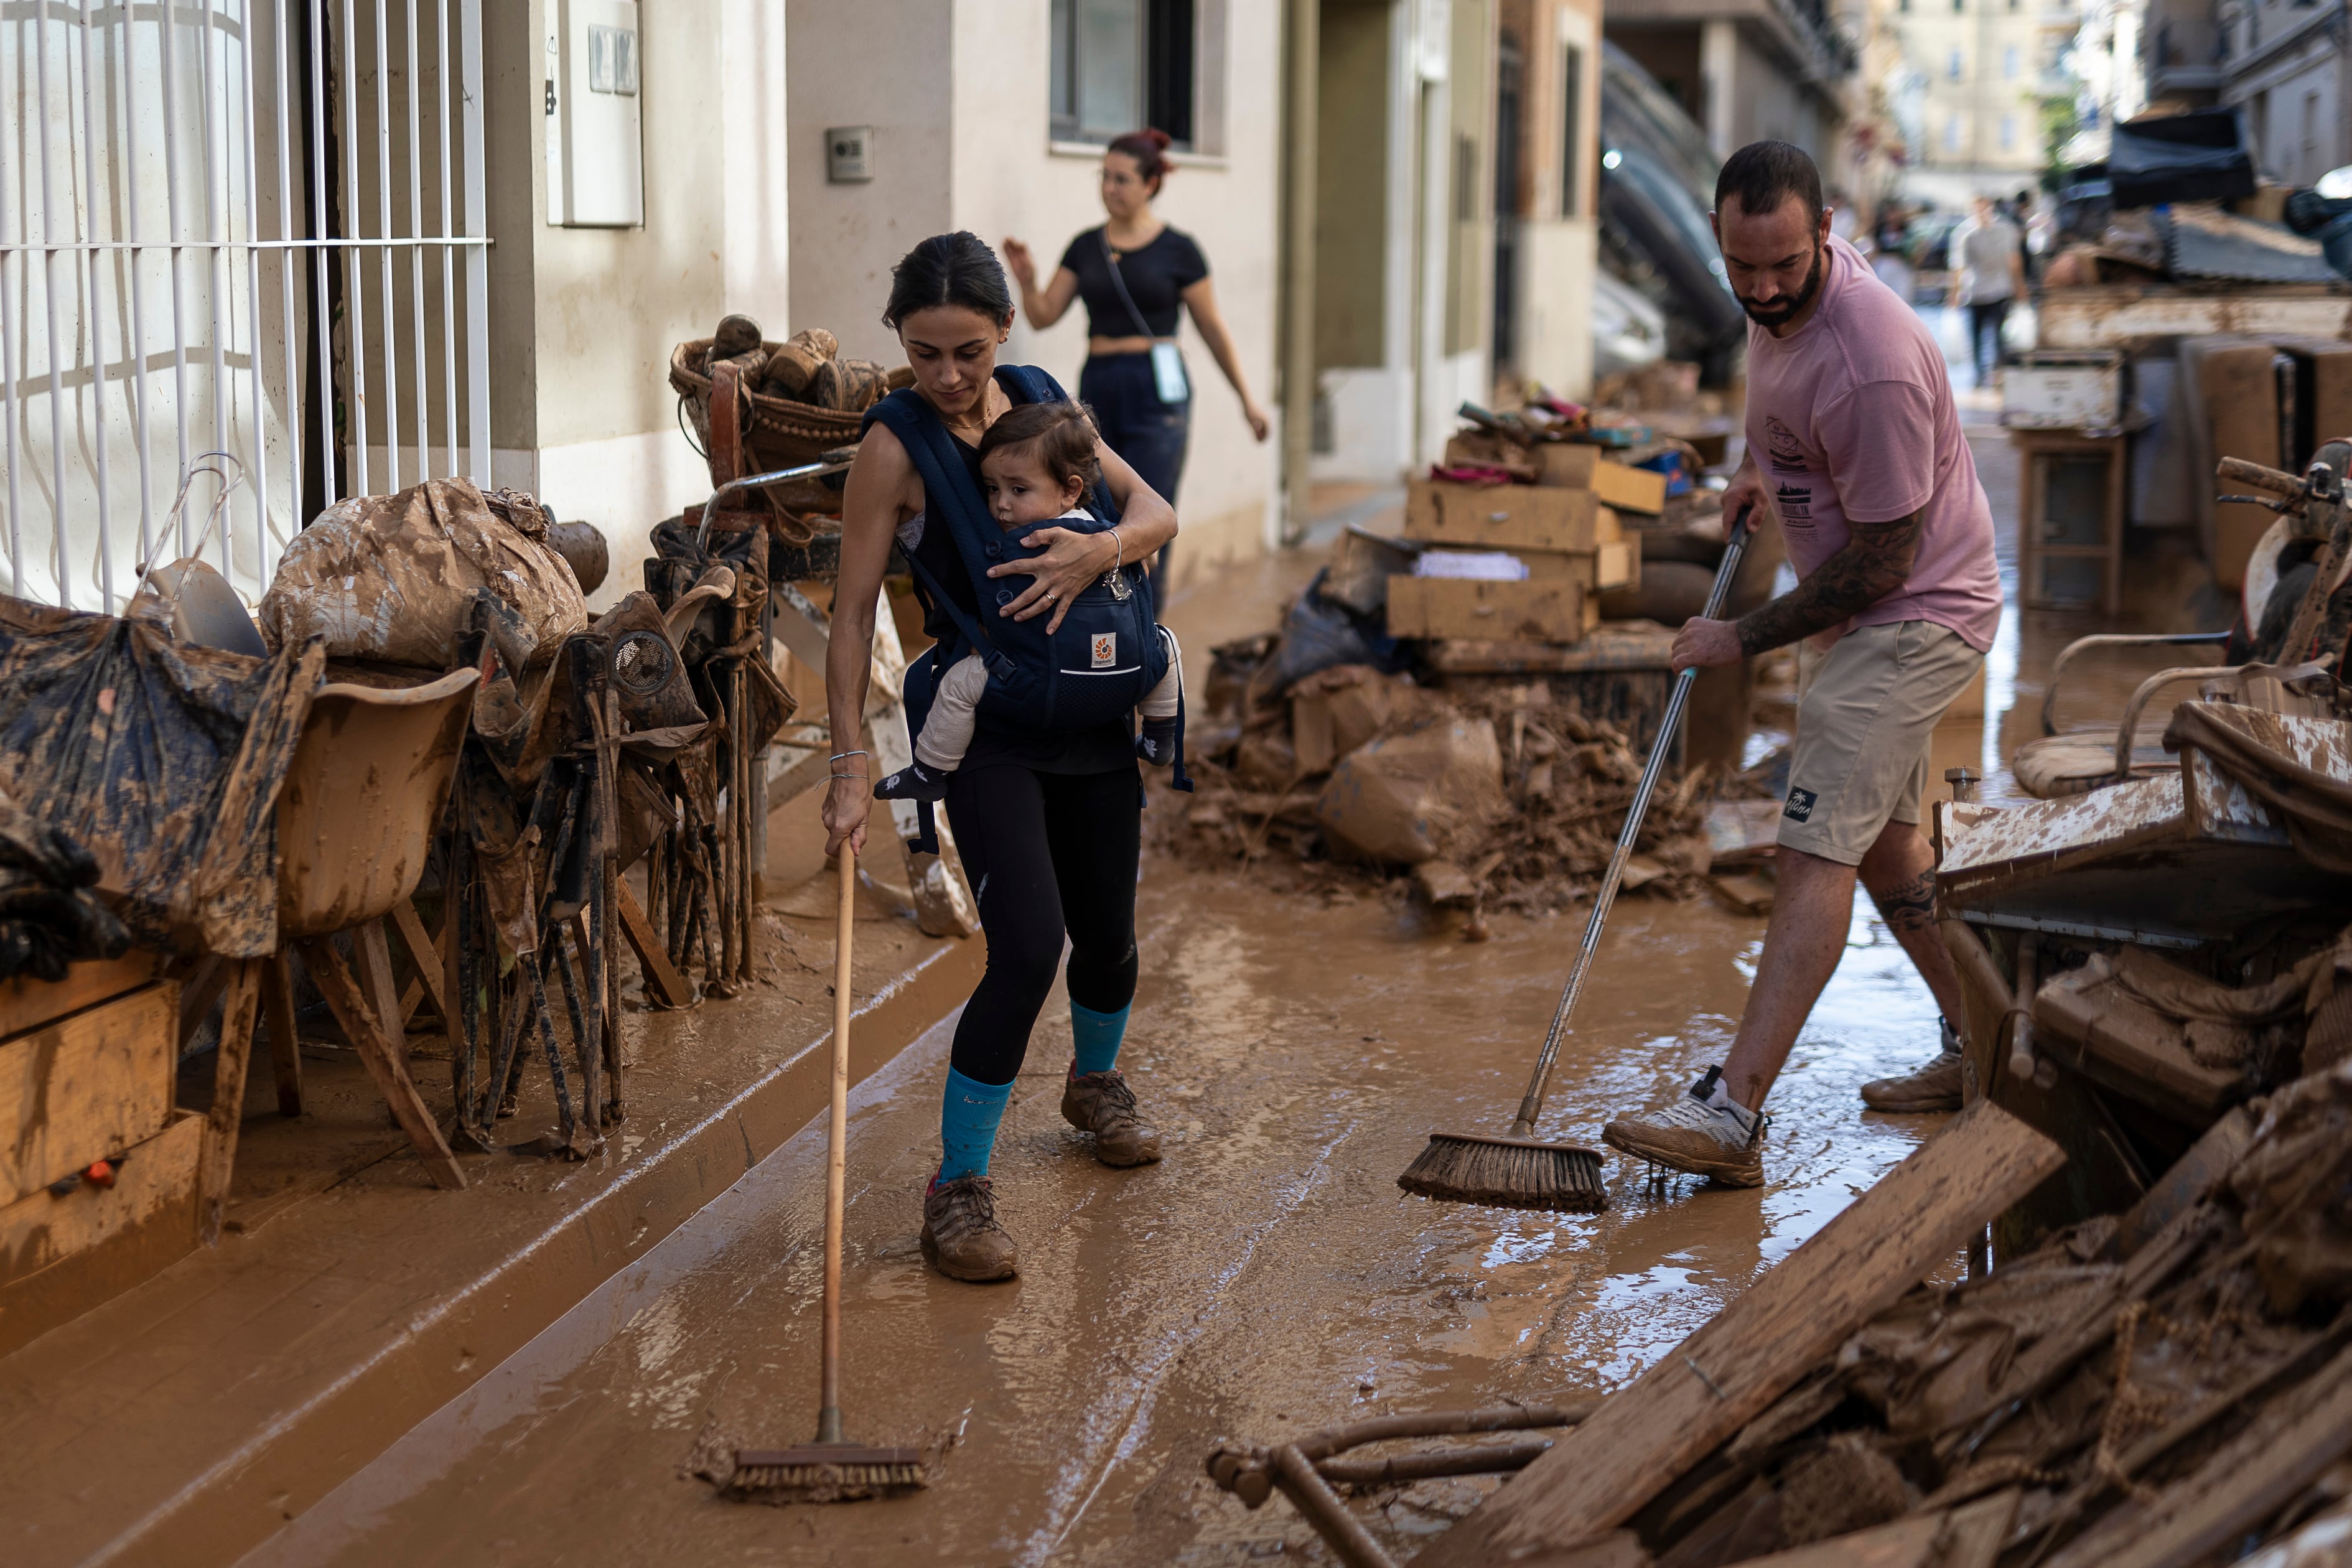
<point>832,1469</point>
<point>1521,1171</point>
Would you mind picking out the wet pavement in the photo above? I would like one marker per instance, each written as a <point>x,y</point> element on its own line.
<point>1267,1278</point>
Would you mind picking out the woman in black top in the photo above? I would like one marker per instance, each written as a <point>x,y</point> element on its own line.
<point>1047,821</point>
<point>1163,269</point>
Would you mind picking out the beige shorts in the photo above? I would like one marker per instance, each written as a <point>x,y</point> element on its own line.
<point>1865,712</point>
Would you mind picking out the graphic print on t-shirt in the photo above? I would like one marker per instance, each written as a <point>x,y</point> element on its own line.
<point>1780,442</point>
<point>1794,504</point>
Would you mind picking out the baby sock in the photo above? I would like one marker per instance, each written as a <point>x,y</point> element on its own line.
<point>969,1115</point>
<point>1096,1036</point>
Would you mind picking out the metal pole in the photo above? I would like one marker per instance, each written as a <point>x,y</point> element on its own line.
<point>354,305</point>
<point>285,290</point>
<point>11,204</point>
<point>448,231</point>
<point>253,316</point>
<point>320,215</point>
<point>1301,112</point>
<point>218,302</point>
<point>50,306</point>
<point>138,296</point>
<point>171,57</point>
<point>96,317</point>
<point>383,228</point>
<point>477,257</point>
<point>416,256</point>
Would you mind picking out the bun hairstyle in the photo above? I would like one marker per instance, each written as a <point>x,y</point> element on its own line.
<point>949,270</point>
<point>1149,148</point>
<point>1060,436</point>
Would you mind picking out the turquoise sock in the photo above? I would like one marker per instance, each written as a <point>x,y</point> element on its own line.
<point>1096,1036</point>
<point>969,1114</point>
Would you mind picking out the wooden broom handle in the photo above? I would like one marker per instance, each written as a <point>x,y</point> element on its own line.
<point>836,1140</point>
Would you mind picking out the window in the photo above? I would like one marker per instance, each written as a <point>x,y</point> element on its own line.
<point>1120,65</point>
<point>2009,62</point>
<point>1571,118</point>
<point>1951,134</point>
<point>1957,66</point>
<point>2008,132</point>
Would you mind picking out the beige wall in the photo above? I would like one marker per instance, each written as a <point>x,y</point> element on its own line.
<point>1558,248</point>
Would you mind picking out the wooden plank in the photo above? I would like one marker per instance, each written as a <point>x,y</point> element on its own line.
<point>227,1112</point>
<point>2144,1055</point>
<point>1566,465</point>
<point>26,1003</point>
<point>41,1231</point>
<point>1966,1537</point>
<point>372,955</point>
<point>1700,1394</point>
<point>1629,488</point>
<point>676,990</point>
<point>198,990</point>
<point>285,1038</point>
<point>386,1065</point>
<point>428,957</point>
<point>87,1087</point>
<point>2286,1448</point>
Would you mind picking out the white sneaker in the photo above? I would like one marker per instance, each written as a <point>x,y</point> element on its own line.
<point>1704,1133</point>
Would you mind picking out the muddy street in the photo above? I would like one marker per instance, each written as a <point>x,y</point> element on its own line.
<point>1269,1277</point>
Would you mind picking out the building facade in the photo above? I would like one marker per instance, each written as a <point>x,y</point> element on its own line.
<point>1976,76</point>
<point>2289,67</point>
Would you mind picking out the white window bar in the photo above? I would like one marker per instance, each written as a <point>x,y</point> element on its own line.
<point>207,84</point>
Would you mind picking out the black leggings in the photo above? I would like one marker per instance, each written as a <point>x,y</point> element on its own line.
<point>1047,853</point>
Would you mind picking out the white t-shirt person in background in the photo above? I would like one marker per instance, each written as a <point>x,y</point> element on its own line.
<point>1988,273</point>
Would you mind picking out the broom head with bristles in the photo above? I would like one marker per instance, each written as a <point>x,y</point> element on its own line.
<point>825,1472</point>
<point>1508,1173</point>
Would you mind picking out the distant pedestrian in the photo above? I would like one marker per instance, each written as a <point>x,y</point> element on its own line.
<point>1047,815</point>
<point>1854,443</point>
<point>1134,273</point>
<point>1988,276</point>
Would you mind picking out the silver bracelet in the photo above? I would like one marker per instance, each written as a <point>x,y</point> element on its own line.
<point>1121,545</point>
<point>844,756</point>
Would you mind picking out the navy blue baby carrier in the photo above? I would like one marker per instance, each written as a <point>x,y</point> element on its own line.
<point>1108,653</point>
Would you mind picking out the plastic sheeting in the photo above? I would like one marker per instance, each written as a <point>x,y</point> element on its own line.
<point>164,759</point>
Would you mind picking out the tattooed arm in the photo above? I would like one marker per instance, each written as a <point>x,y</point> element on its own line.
<point>1873,564</point>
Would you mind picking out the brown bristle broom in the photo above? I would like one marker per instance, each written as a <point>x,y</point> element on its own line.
<point>1522,1172</point>
<point>832,1469</point>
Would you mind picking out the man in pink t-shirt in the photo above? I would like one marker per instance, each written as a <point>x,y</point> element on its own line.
<point>1854,445</point>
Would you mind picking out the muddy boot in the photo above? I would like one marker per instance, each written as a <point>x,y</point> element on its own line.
<point>1704,1134</point>
<point>961,1235</point>
<point>1102,1104</point>
<point>1935,1086</point>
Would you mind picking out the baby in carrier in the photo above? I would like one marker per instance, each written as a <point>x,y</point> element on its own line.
<point>1036,463</point>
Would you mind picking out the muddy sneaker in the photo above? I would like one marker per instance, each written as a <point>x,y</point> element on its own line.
<point>1935,1086</point>
<point>961,1235</point>
<point>1102,1104</point>
<point>1706,1133</point>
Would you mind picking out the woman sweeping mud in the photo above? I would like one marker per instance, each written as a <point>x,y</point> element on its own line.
<point>1047,815</point>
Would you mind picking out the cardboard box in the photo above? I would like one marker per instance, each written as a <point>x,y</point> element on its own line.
<point>1541,609</point>
<point>1632,488</point>
<point>1566,465</point>
<point>1501,516</point>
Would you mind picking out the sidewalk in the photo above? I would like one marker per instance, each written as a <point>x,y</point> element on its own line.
<point>189,1418</point>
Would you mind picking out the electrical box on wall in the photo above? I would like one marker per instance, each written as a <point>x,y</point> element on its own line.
<point>849,154</point>
<point>595,152</point>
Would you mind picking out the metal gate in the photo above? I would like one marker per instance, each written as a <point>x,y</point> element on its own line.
<point>251,228</point>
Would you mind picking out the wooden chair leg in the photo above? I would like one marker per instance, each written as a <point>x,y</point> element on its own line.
<point>372,953</point>
<point>285,1042</point>
<point>386,1063</point>
<point>428,957</point>
<point>228,1093</point>
<point>199,991</point>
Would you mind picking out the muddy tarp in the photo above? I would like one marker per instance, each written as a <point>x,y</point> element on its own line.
<point>395,578</point>
<point>165,761</point>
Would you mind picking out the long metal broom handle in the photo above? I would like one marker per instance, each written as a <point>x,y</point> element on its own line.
<point>1525,1126</point>
<point>836,1141</point>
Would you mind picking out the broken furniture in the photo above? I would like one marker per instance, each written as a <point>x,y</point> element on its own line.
<point>2069,538</point>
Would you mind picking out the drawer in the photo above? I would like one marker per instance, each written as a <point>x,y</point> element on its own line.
<point>87,1087</point>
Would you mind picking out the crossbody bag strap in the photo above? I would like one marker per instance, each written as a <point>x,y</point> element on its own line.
<point>1142,327</point>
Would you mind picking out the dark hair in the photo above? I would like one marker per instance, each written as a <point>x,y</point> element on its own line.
<point>1059,435</point>
<point>1149,148</point>
<point>1763,174</point>
<point>949,270</point>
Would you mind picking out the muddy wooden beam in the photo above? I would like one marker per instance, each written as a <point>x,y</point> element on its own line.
<point>285,1038</point>
<point>222,1122</point>
<point>429,958</point>
<point>1723,1376</point>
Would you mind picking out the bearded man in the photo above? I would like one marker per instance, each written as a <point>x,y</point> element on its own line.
<point>1854,442</point>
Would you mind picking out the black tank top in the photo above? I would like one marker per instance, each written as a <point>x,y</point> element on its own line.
<point>1106,748</point>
